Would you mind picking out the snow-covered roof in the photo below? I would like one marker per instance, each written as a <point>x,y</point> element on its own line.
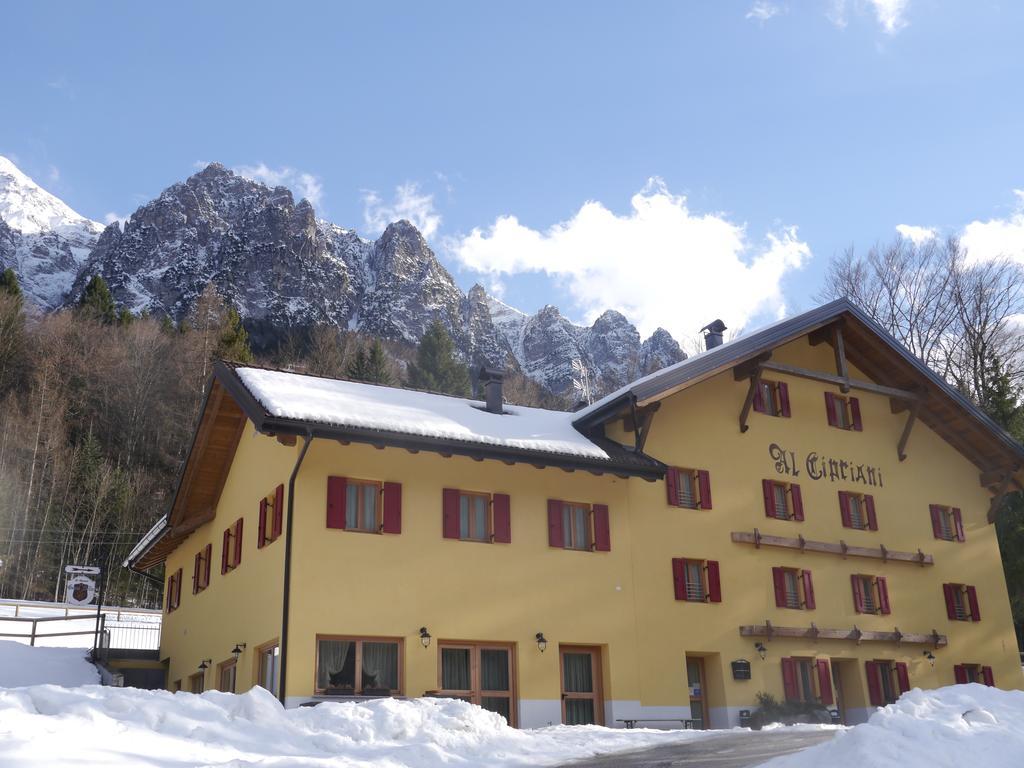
<point>351,404</point>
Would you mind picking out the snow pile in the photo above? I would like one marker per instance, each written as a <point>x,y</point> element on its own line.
<point>97,726</point>
<point>350,404</point>
<point>949,727</point>
<point>23,665</point>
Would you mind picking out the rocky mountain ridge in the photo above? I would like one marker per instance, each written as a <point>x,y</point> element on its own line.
<point>282,267</point>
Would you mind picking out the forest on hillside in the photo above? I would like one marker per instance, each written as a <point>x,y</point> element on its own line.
<point>97,405</point>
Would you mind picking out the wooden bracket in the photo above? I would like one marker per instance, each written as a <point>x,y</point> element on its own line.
<point>757,539</point>
<point>901,446</point>
<point>920,556</point>
<point>639,423</point>
<point>748,402</point>
<point>885,553</point>
<point>899,636</point>
<point>843,548</point>
<point>840,350</point>
<point>803,542</point>
<point>813,632</point>
<point>856,634</point>
<point>997,499</point>
<point>936,638</point>
<point>770,630</point>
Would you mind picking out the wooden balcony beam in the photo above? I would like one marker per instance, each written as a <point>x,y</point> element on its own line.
<point>859,636</point>
<point>759,539</point>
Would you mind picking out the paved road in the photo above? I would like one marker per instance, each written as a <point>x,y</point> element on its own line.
<point>726,750</point>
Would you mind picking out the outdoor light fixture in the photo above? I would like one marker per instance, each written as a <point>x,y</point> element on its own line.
<point>237,650</point>
<point>424,637</point>
<point>930,656</point>
<point>205,664</point>
<point>761,650</point>
<point>542,642</point>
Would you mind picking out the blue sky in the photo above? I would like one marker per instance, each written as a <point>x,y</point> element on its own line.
<point>676,160</point>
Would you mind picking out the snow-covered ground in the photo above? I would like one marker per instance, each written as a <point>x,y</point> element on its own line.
<point>21,665</point>
<point>952,727</point>
<point>126,627</point>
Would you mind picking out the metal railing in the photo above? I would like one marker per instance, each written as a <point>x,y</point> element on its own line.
<point>132,628</point>
<point>34,634</point>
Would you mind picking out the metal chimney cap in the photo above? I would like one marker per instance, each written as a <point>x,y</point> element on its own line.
<point>490,374</point>
<point>715,326</point>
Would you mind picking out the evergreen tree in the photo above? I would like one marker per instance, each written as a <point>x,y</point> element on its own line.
<point>97,302</point>
<point>377,369</point>
<point>9,283</point>
<point>125,317</point>
<point>436,369</point>
<point>12,331</point>
<point>357,368</point>
<point>234,339</point>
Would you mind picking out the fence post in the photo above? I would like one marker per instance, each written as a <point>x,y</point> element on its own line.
<point>32,639</point>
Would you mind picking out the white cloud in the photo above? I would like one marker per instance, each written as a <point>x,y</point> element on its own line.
<point>303,184</point>
<point>110,217</point>
<point>991,239</point>
<point>660,264</point>
<point>891,14</point>
<point>408,203</point>
<point>915,234</point>
<point>53,174</point>
<point>763,10</point>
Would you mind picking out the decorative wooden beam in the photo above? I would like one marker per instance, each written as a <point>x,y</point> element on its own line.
<point>748,402</point>
<point>866,386</point>
<point>822,335</point>
<point>901,447</point>
<point>996,476</point>
<point>813,632</point>
<point>288,440</point>
<point>759,540</point>
<point>840,351</point>
<point>747,368</point>
<point>997,500</point>
<point>639,422</point>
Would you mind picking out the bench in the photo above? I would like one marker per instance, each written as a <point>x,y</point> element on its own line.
<point>688,724</point>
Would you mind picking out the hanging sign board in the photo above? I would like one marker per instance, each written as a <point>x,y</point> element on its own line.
<point>80,588</point>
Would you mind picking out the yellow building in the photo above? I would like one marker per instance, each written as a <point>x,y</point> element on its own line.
<point>805,511</point>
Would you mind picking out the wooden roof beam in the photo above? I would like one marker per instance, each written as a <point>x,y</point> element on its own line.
<point>748,401</point>
<point>901,446</point>
<point>813,632</point>
<point>865,386</point>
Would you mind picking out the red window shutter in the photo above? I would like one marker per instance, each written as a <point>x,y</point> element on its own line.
<point>883,595</point>
<point>958,524</point>
<point>936,512</point>
<point>986,676</point>
<point>262,534</point>
<point>830,409</point>
<point>949,592</point>
<point>502,518</point>
<point>704,486</point>
<point>869,504</point>
<point>714,582</point>
<point>238,542</point>
<point>195,572</point>
<point>759,398</point>
<point>278,510</point>
<point>844,509</point>
<point>798,502</point>
<point>825,683</point>
<point>602,529</point>
<point>337,498</point>
<point>225,551</point>
<point>170,593</point>
<point>769,498</point>
<point>960,673</point>
<point>779,582</point>
<point>177,587</point>
<point>903,676</point>
<point>858,426</point>
<point>858,593</point>
<point>789,683</point>
<point>875,697</point>
<point>208,557</point>
<point>972,602</point>
<point>808,590</point>
<point>672,486</point>
<point>556,536</point>
<point>391,521</point>
<point>679,577</point>
<point>784,399</point>
<point>450,513</point>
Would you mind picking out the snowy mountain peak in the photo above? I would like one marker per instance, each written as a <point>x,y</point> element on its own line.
<point>31,210</point>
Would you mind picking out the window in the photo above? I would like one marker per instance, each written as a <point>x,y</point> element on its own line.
<point>364,505</point>
<point>689,488</point>
<point>271,517</point>
<point>697,581</point>
<point>201,569</point>
<point>231,547</point>
<point>886,681</point>
<point>574,525</point>
<point>347,666</point>
<point>268,660</point>
<point>474,516</point>
<point>973,673</point>
<point>782,500</point>
<point>772,398</point>
<point>870,594</point>
<point>807,680</point>
<point>858,511</point>
<point>843,412</point>
<point>480,673</point>
<point>961,602</point>
<point>197,682</point>
<point>947,523</point>
<point>174,590</point>
<point>793,588</point>
<point>226,676</point>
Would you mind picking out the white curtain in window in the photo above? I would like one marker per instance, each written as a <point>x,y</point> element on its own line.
<point>380,665</point>
<point>330,662</point>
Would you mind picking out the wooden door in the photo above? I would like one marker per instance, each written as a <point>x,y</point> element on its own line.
<point>582,699</point>
<point>481,673</point>
<point>837,688</point>
<point>698,692</point>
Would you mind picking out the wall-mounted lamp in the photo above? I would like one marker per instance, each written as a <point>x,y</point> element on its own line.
<point>237,650</point>
<point>930,656</point>
<point>761,650</point>
<point>205,664</point>
<point>542,642</point>
<point>424,637</point>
